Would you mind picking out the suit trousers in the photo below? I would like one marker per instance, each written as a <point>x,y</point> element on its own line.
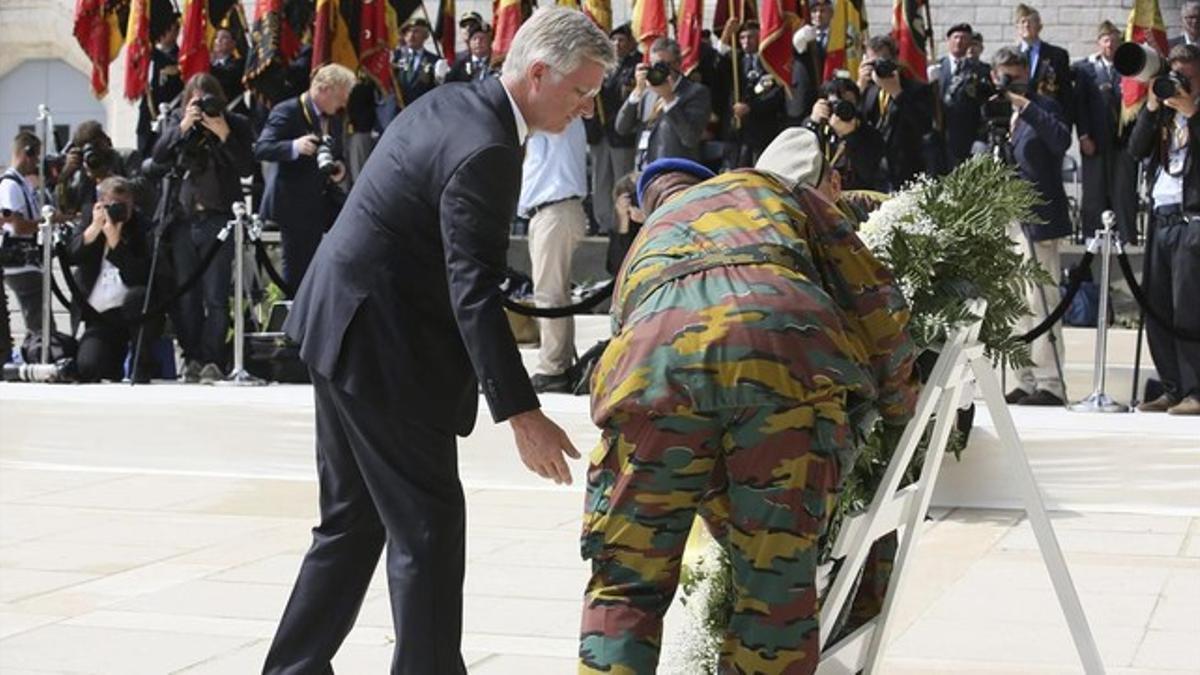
<point>1109,182</point>
<point>609,165</point>
<point>1172,280</point>
<point>383,478</point>
<point>555,231</point>
<point>1041,300</point>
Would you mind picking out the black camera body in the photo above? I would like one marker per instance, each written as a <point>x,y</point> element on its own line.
<point>210,105</point>
<point>118,212</point>
<point>326,163</point>
<point>658,73</point>
<point>885,67</point>
<point>844,110</point>
<point>19,251</point>
<point>1170,84</point>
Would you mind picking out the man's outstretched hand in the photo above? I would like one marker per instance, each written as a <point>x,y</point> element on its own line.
<point>542,444</point>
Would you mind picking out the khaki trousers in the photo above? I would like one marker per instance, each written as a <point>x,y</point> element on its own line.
<point>1044,373</point>
<point>554,233</point>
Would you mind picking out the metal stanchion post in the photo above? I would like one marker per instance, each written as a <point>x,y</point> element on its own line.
<point>1098,401</point>
<point>46,234</point>
<point>239,376</point>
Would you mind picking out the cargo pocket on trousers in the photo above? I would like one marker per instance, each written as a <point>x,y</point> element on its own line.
<point>601,476</point>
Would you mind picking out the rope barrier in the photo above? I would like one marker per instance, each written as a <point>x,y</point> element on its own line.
<point>1140,296</point>
<point>588,302</point>
<point>264,261</point>
<point>1076,279</point>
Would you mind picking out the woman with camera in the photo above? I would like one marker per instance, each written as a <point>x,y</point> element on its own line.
<point>112,267</point>
<point>855,149</point>
<point>212,147</point>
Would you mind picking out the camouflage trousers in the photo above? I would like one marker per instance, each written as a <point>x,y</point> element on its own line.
<point>771,474</point>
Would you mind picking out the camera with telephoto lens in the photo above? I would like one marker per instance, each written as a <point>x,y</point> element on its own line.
<point>997,109</point>
<point>63,370</point>
<point>658,73</point>
<point>326,164</point>
<point>1170,85</point>
<point>885,67</point>
<point>844,110</point>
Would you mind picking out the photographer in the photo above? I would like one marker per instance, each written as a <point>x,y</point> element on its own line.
<point>213,148</point>
<point>750,121</point>
<point>112,267</point>
<point>666,111</point>
<point>90,159</point>
<point>612,153</point>
<point>305,192</point>
<point>900,107</point>
<point>854,149</point>
<point>963,82</point>
<point>19,216</point>
<point>1166,132</point>
<point>1037,141</point>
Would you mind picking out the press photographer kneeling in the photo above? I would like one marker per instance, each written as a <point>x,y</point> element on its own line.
<point>111,257</point>
<point>213,147</point>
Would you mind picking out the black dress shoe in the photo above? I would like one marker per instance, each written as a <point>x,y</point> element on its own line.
<point>1015,396</point>
<point>1043,398</point>
<point>551,384</point>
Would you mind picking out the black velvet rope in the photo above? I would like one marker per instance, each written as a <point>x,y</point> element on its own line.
<point>1077,276</point>
<point>1140,296</point>
<point>264,261</point>
<point>588,302</point>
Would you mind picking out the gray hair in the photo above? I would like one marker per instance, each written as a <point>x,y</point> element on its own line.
<point>116,186</point>
<point>561,38</point>
<point>666,44</point>
<point>334,76</point>
<point>1008,56</point>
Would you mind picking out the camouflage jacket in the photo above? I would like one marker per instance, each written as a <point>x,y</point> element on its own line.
<point>738,293</point>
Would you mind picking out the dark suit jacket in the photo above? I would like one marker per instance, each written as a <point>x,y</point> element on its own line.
<point>962,102</point>
<point>229,74</point>
<point>1097,103</point>
<point>908,118</point>
<point>230,160</point>
<point>765,120</point>
<point>613,92</point>
<point>676,132</point>
<point>464,70</point>
<point>1052,78</point>
<point>808,73</point>
<point>415,82</point>
<point>131,256</point>
<point>1146,141</point>
<point>1039,143</point>
<point>402,303</point>
<point>165,85</point>
<point>297,195</point>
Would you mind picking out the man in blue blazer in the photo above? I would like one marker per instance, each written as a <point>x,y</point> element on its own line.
<point>400,320</point>
<point>1039,139</point>
<point>300,196</point>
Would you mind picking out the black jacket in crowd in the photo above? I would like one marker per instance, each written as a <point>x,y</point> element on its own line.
<point>757,89</point>
<point>298,195</point>
<point>963,96</point>
<point>909,117</point>
<point>1052,78</point>
<point>1148,141</point>
<point>131,256</point>
<point>1098,105</point>
<point>1039,143</point>
<point>613,91</point>
<point>230,160</point>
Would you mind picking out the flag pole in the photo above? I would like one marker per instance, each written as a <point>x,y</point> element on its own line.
<point>733,54</point>
<point>437,43</point>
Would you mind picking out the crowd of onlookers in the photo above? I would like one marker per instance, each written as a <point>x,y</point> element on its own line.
<point>881,126</point>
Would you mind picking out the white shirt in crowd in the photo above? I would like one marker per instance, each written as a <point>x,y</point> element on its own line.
<point>1168,189</point>
<point>109,291</point>
<point>17,195</point>
<point>555,167</point>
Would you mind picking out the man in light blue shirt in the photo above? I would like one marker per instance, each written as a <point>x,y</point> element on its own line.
<point>553,184</point>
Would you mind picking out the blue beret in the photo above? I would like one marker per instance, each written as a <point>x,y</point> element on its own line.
<point>668,165</point>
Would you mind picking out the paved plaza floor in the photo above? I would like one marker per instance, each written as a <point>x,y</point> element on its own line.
<point>164,559</point>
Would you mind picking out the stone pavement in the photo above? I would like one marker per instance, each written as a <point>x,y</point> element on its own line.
<point>123,572</point>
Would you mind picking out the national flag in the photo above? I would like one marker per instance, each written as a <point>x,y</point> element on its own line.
<point>649,22</point>
<point>374,43</point>
<point>600,12</point>
<point>507,17</point>
<point>98,29</point>
<point>744,10</point>
<point>274,42</point>
<point>691,23</point>
<point>334,34</point>
<point>847,34</point>
<point>229,15</point>
<point>1145,26</point>
<point>444,29</point>
<point>138,49</point>
<point>911,36</point>
<point>778,21</point>
<point>193,42</point>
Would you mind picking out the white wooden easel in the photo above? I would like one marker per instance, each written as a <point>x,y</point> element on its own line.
<point>904,510</point>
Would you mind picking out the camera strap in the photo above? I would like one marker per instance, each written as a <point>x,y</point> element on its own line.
<point>30,211</point>
<point>319,126</point>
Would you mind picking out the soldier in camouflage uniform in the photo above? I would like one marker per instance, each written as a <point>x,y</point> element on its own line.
<point>754,339</point>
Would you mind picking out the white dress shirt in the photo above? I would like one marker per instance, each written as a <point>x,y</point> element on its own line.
<point>555,168</point>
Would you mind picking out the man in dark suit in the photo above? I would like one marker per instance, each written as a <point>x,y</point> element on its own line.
<point>1049,66</point>
<point>808,62</point>
<point>414,63</point>
<point>1109,172</point>
<point>900,107</point>
<point>612,153</point>
<point>476,63</point>
<point>301,197</point>
<point>961,81</point>
<point>751,121</point>
<point>668,118</point>
<point>228,67</point>
<point>400,320</point>
<point>1189,14</point>
<point>1040,136</point>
